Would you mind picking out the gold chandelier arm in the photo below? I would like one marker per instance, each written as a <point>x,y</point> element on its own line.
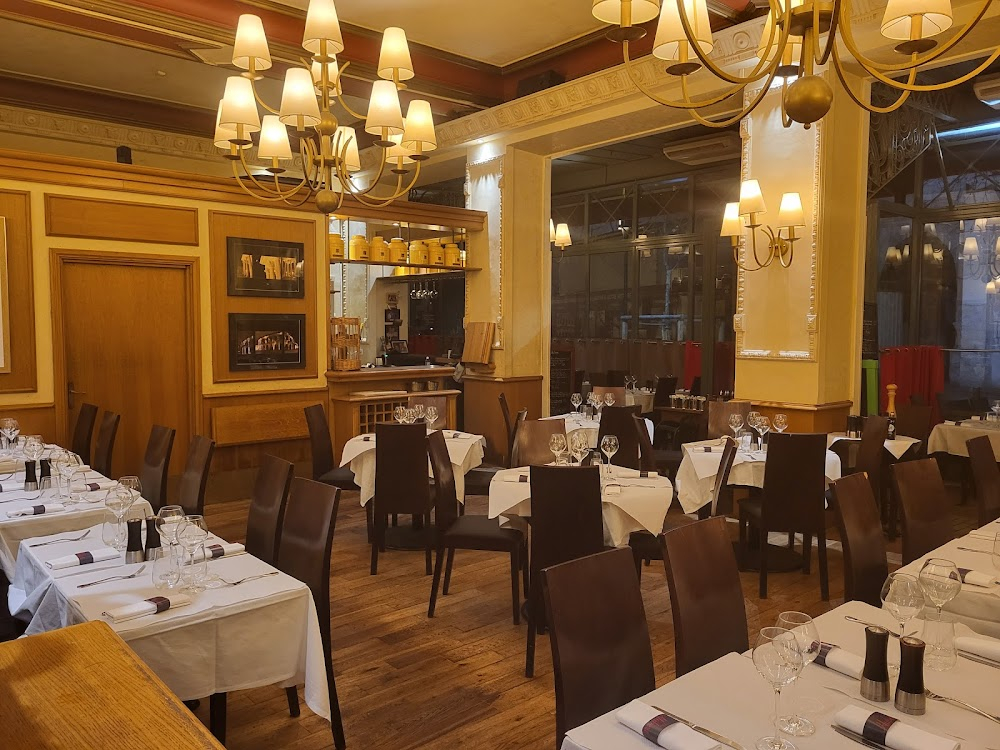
<point>841,76</point>
<point>337,87</point>
<point>265,197</point>
<point>831,35</point>
<point>930,86</point>
<point>278,194</point>
<point>310,167</point>
<point>260,101</point>
<point>786,121</point>
<point>380,201</point>
<point>739,115</point>
<point>687,103</point>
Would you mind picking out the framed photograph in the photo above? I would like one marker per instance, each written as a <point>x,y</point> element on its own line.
<point>400,346</point>
<point>393,315</point>
<point>266,342</point>
<point>392,333</point>
<point>265,268</point>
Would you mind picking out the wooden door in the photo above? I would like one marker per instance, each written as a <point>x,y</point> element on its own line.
<point>124,330</point>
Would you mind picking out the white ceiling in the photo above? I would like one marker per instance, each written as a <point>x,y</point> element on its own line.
<point>499,32</point>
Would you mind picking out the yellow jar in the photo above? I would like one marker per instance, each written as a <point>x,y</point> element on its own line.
<point>397,250</point>
<point>379,249</point>
<point>335,244</point>
<point>419,254</point>
<point>452,255</point>
<point>359,248</point>
<point>435,252</point>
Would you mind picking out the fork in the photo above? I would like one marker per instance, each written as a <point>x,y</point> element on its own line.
<point>113,578</point>
<point>980,551</point>
<point>23,497</point>
<point>956,702</point>
<point>249,578</point>
<point>82,536</point>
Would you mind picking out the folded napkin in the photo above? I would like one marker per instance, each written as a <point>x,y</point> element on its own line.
<point>367,438</point>
<point>37,510</point>
<point>623,472</point>
<point>988,648</point>
<point>94,486</point>
<point>151,606</point>
<point>515,478</point>
<point>975,578</point>
<point>661,730</point>
<point>82,558</point>
<point>840,660</point>
<point>886,730</point>
<point>225,549</point>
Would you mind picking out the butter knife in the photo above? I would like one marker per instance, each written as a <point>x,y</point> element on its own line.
<point>978,658</point>
<point>721,739</point>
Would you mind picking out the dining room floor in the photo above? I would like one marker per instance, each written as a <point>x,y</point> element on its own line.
<point>457,680</point>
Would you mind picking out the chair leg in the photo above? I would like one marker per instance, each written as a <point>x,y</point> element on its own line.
<point>515,587</point>
<point>791,540</point>
<point>292,693</point>
<point>336,720</point>
<point>807,543</point>
<point>370,520</point>
<point>427,548</point>
<point>217,716</point>
<point>824,578</point>
<point>743,534</point>
<point>524,568</point>
<point>438,563</point>
<point>395,520</point>
<point>377,542</point>
<point>637,559</point>
<point>447,571</point>
<point>763,562</point>
<point>529,651</point>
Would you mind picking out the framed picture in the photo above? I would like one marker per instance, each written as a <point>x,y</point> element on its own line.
<point>265,268</point>
<point>392,333</point>
<point>393,315</point>
<point>400,346</point>
<point>266,342</point>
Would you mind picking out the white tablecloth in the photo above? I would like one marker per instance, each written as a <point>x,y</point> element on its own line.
<point>696,475</point>
<point>642,399</point>
<point>949,437</point>
<point>641,504</point>
<point>576,421</point>
<point>728,696</point>
<point>465,451</point>
<point>262,632</point>
<point>896,447</point>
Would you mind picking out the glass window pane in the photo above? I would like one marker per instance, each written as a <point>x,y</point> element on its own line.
<point>664,288</point>
<point>609,295</point>
<point>569,210</point>
<point>665,207</point>
<point>894,274</point>
<point>939,291</point>
<point>611,213</point>
<point>569,296</point>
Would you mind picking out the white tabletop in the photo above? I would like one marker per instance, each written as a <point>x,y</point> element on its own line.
<point>631,502</point>
<point>728,696</point>
<point>950,437</point>
<point>464,449</point>
<point>641,398</point>
<point>896,447</point>
<point>696,475</point>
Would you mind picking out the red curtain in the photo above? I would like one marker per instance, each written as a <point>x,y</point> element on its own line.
<point>692,363</point>
<point>916,370</point>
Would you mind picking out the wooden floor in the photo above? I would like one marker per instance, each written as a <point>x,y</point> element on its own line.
<point>457,680</point>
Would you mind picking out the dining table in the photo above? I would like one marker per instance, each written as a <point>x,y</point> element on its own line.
<point>950,436</point>
<point>632,500</point>
<point>897,447</point>
<point>591,426</point>
<point>729,697</point>
<point>643,398</point>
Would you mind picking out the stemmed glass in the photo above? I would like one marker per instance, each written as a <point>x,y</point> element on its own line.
<point>420,411</point>
<point>168,522</point>
<point>736,424</point>
<point>903,597</point>
<point>780,422</point>
<point>609,399</point>
<point>577,401</point>
<point>10,429</point>
<point>609,447</point>
<point>804,629</point>
<point>68,464</point>
<point>995,407</point>
<point>132,483</point>
<point>78,487</point>
<point>119,501</point>
<point>996,552</point>
<point>579,445</point>
<point>192,535</point>
<point>557,444</point>
<point>778,659</point>
<point>399,414</point>
<point>940,581</point>
<point>763,426</point>
<point>33,448</point>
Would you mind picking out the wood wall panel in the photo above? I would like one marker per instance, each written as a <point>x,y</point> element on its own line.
<point>34,419</point>
<point>259,423</point>
<point>808,417</point>
<point>482,407</point>
<point>88,218</point>
<point>15,207</point>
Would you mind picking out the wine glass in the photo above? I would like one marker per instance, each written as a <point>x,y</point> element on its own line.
<point>940,581</point>
<point>996,552</point>
<point>119,501</point>
<point>192,534</point>
<point>609,399</point>
<point>763,426</point>
<point>420,410</point>
<point>736,424</point>
<point>780,422</point>
<point>804,629</point>
<point>577,401</point>
<point>9,430</point>
<point>609,447</point>
<point>579,445</point>
<point>995,407</point>
<point>431,415</point>
<point>557,444</point>
<point>78,487</point>
<point>399,414</point>
<point>132,483</point>
<point>778,659</point>
<point>168,522</point>
<point>70,463</point>
<point>903,598</point>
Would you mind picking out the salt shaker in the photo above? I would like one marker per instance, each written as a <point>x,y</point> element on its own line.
<point>910,697</point>
<point>875,677</point>
<point>154,549</point>
<point>45,475</point>
<point>133,547</point>
<point>30,477</point>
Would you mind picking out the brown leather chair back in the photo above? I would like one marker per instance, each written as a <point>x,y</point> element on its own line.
<point>191,495</point>
<point>647,458</point>
<point>924,502</point>
<point>665,388</point>
<point>505,412</point>
<point>865,567</point>
<point>106,442</point>
<point>617,391</point>
<point>531,446</point>
<point>719,413</point>
<point>319,440</point>
<point>445,494</point>
<point>914,421</point>
<point>83,433</point>
<point>986,476</point>
<point>872,449</point>
<point>518,421</point>
<point>615,378</point>
<point>617,421</point>
<point>706,598</point>
<point>267,508</point>
<point>722,494</point>
<point>601,656</point>
<point>156,464</point>
<point>794,491</point>
<point>401,481</point>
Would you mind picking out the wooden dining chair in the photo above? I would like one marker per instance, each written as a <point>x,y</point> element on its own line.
<point>566,523</point>
<point>871,451</point>
<point>267,508</point>
<point>665,462</point>
<point>194,480</point>
<point>915,421</point>
<point>986,476</point>
<point>706,597</point>
<point>156,465</point>
<point>105,448</point>
<point>321,446</point>
<point>468,531</point>
<point>617,421</point>
<point>401,485</point>
<point>601,654</point>
<point>865,566</point>
<point>531,446</point>
<point>924,503</point>
<point>83,432</point>
<point>719,413</point>
<point>792,500</point>
<point>508,423</point>
<point>666,386</point>
<point>477,479</point>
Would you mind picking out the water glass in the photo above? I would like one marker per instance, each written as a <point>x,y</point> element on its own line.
<point>165,573</point>
<point>609,447</point>
<point>903,598</point>
<point>78,487</point>
<point>806,634</point>
<point>940,581</point>
<point>939,635</point>
<point>192,533</point>
<point>399,414</point>
<point>735,424</point>
<point>431,415</point>
<point>778,658</point>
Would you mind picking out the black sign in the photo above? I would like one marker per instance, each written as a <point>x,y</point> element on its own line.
<point>560,380</point>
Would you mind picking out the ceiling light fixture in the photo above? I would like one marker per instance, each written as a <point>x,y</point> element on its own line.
<point>790,47</point>
<point>329,150</point>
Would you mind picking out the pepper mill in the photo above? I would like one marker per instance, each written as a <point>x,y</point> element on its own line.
<point>45,477</point>
<point>875,677</point>
<point>910,697</point>
<point>133,547</point>
<point>30,478</point>
<point>154,550</point>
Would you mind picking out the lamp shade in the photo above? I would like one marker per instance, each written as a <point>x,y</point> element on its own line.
<point>991,286</point>
<point>332,76</point>
<point>900,16</point>
<point>610,11</point>
<point>906,252</point>
<point>298,99</point>
<point>792,54</point>
<point>383,110</point>
<point>563,238</point>
<point>352,158</point>
<point>224,136</point>
<point>273,139</point>
<point>670,38</point>
<point>751,199</point>
<point>418,128</point>
<point>398,151</point>
<point>970,248</point>
<point>394,58</point>
<point>893,256</point>
<point>732,223</point>
<point>251,44</point>
<point>552,228</point>
<point>790,211</point>
<point>239,106</point>
<point>322,25</point>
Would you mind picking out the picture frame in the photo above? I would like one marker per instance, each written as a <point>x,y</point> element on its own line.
<point>400,347</point>
<point>265,268</point>
<point>264,341</point>
<point>392,333</point>
<point>393,316</point>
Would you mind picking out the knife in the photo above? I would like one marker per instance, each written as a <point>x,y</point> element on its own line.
<point>722,739</point>
<point>860,739</point>
<point>978,658</point>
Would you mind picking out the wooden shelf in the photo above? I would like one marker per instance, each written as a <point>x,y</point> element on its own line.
<point>461,269</point>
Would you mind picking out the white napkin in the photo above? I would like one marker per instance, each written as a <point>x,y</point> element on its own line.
<point>638,716</point>
<point>515,478</point>
<point>223,549</point>
<point>82,558</point>
<point>37,510</point>
<point>988,648</point>
<point>900,735</point>
<point>146,607</point>
<point>94,485</point>
<point>840,660</point>
<point>624,472</point>
<point>975,578</point>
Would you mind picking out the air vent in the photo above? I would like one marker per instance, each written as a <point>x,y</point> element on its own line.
<point>987,90</point>
<point>707,150</point>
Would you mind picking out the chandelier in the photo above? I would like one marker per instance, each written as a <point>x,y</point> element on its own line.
<point>981,249</point>
<point>328,150</point>
<point>791,46</point>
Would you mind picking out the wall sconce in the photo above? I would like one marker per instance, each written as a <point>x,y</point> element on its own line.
<point>562,238</point>
<point>893,257</point>
<point>745,215</point>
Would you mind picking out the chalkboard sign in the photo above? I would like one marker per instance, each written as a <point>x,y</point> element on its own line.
<point>869,332</point>
<point>560,380</point>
